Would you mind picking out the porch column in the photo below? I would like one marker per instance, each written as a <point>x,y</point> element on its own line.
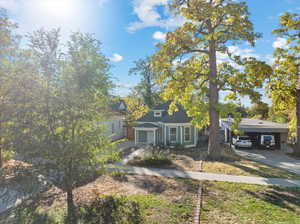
<point>165,137</point>
<point>154,137</point>
<point>195,136</point>
<point>181,128</point>
<point>135,136</point>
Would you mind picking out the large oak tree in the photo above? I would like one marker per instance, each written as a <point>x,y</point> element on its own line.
<point>187,63</point>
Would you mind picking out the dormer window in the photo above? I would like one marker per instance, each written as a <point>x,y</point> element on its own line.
<point>157,113</point>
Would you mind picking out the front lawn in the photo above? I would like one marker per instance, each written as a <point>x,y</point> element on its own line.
<point>226,203</point>
<point>137,199</point>
<point>132,199</point>
<point>236,165</point>
<point>232,164</point>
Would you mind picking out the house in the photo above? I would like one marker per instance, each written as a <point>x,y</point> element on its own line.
<point>115,124</point>
<point>158,127</point>
<point>254,128</point>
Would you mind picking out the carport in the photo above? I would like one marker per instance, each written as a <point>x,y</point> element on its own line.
<point>254,128</point>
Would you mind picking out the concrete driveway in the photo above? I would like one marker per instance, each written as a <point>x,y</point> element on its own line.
<point>273,158</point>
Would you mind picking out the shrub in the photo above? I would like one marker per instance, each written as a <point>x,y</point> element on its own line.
<point>30,214</point>
<point>152,160</point>
<point>7,155</point>
<point>113,210</point>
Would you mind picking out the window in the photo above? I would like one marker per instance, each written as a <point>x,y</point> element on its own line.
<point>187,134</point>
<point>142,136</point>
<point>173,134</point>
<point>157,113</point>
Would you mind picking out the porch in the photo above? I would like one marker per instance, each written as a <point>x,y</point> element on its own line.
<point>146,134</point>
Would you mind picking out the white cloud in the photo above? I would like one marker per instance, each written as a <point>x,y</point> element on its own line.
<point>159,35</point>
<point>116,58</point>
<point>280,43</point>
<point>236,51</point>
<point>11,5</point>
<point>123,89</point>
<point>148,15</point>
<point>269,58</point>
<point>126,85</point>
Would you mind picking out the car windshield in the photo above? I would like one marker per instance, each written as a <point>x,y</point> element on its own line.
<point>244,138</point>
<point>268,138</point>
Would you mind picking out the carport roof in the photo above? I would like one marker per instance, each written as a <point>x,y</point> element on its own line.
<point>255,125</point>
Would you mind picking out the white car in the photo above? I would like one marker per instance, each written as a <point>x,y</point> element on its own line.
<point>267,141</point>
<point>242,142</point>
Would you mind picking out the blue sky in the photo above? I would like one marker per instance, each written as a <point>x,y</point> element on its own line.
<point>129,29</point>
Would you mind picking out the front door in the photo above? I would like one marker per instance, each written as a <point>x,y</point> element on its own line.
<point>150,137</point>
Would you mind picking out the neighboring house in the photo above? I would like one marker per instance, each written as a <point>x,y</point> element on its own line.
<point>157,127</point>
<point>254,128</point>
<point>115,125</point>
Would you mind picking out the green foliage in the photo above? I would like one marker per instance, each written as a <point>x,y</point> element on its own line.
<point>259,111</point>
<point>278,116</point>
<point>284,85</point>
<point>9,53</point>
<point>7,155</point>
<point>136,108</point>
<point>114,210</point>
<point>147,89</point>
<point>33,214</point>
<point>186,63</point>
<point>151,160</point>
<point>56,103</point>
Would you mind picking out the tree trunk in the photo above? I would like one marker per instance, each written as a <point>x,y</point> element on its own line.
<point>1,163</point>
<point>297,150</point>
<point>71,218</point>
<point>1,159</point>
<point>214,149</point>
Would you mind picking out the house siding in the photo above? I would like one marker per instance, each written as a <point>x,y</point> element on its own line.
<point>114,128</point>
<point>180,135</point>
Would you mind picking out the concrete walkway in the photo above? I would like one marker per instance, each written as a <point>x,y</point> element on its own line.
<point>209,176</point>
<point>125,145</point>
<point>272,158</point>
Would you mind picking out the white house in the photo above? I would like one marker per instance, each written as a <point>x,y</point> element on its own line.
<point>115,125</point>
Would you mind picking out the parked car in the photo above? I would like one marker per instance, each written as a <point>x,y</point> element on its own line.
<point>242,142</point>
<point>267,141</point>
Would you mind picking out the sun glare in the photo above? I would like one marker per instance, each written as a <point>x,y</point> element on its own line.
<point>57,8</point>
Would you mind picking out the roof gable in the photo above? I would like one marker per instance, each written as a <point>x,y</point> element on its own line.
<point>179,116</point>
<point>119,106</point>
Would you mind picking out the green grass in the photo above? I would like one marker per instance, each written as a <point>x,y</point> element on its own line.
<point>241,203</point>
<point>157,210</point>
<point>235,165</point>
<point>142,208</point>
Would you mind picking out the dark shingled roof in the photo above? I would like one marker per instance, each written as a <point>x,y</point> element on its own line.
<point>177,117</point>
<point>146,125</point>
<point>115,107</point>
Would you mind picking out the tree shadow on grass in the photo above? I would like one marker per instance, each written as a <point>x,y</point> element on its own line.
<point>287,198</point>
<point>159,185</point>
<point>28,212</point>
<point>254,168</point>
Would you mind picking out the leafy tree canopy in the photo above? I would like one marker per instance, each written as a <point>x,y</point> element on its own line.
<point>186,63</point>
<point>284,85</point>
